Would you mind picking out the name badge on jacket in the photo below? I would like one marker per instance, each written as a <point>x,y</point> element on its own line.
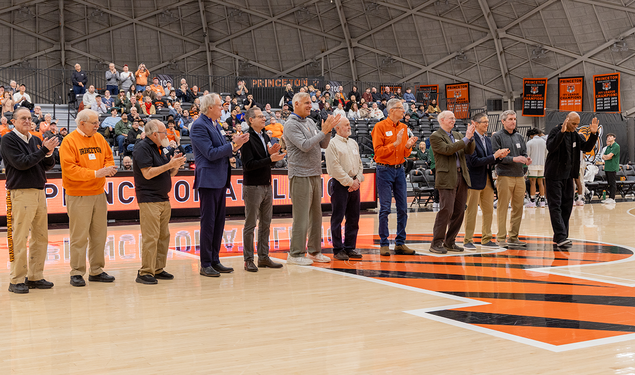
<point>517,145</point>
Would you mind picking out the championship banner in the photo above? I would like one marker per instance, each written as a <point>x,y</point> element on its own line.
<point>120,193</point>
<point>570,94</point>
<point>606,93</point>
<point>425,93</point>
<point>534,96</point>
<point>164,79</point>
<point>458,99</point>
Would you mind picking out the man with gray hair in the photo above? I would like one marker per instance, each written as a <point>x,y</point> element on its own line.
<point>304,142</point>
<point>86,160</point>
<point>344,165</point>
<point>153,173</point>
<point>510,183</point>
<point>212,178</point>
<point>258,155</point>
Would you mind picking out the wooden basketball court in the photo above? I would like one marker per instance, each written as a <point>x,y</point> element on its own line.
<point>530,311</point>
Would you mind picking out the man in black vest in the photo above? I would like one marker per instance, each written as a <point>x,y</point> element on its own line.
<point>258,155</point>
<point>27,159</point>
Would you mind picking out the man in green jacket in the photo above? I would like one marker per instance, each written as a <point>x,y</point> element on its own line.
<point>611,159</point>
<point>121,131</point>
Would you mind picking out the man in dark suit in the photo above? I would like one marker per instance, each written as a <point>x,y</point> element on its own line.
<point>481,191</point>
<point>212,177</point>
<point>452,181</point>
<point>258,155</point>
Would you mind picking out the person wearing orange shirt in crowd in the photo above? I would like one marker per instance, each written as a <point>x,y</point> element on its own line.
<point>141,76</point>
<point>46,124</point>
<point>86,160</point>
<point>392,146</point>
<point>276,128</point>
<point>34,132</point>
<point>156,87</point>
<point>4,126</point>
<point>172,133</point>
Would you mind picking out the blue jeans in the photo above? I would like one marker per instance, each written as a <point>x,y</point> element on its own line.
<point>114,89</point>
<point>141,88</point>
<point>120,141</point>
<point>79,90</point>
<point>392,182</point>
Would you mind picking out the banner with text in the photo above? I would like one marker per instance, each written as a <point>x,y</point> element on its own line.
<point>458,99</point>
<point>534,97</point>
<point>570,94</point>
<point>606,93</point>
<point>425,93</point>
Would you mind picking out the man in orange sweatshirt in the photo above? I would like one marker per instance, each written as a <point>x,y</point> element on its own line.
<point>87,160</point>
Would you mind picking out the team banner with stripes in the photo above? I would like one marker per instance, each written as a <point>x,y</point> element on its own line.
<point>534,96</point>
<point>458,99</point>
<point>570,94</point>
<point>606,93</point>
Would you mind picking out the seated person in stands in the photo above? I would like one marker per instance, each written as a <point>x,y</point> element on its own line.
<point>108,100</point>
<point>412,110</point>
<point>194,94</point>
<point>175,108</point>
<point>99,106</point>
<point>121,132</point>
<point>382,106</point>
<point>186,121</point>
<point>194,110</point>
<point>7,103</point>
<point>367,96</point>
<point>147,107</point>
<point>240,116</point>
<point>46,124</point>
<point>364,112</point>
<point>156,87</point>
<point>349,104</point>
<point>376,96</point>
<point>160,102</point>
<point>279,118</point>
<point>241,90</point>
<point>34,132</point>
<point>4,126</point>
<point>183,91</point>
<point>126,164</point>
<point>168,88</point>
<point>232,120</point>
<point>339,110</point>
<point>172,133</point>
<point>387,94</point>
<point>53,128</point>
<point>134,115</point>
<point>21,98</point>
<point>134,135</point>
<point>89,97</point>
<point>422,112</point>
<point>37,115</point>
<point>409,96</point>
<point>133,103</point>
<point>107,126</point>
<point>315,106</point>
<point>354,91</point>
<point>353,113</point>
<point>63,133</point>
<point>225,113</point>
<point>172,98</point>
<point>434,108</point>
<point>122,102</point>
<point>398,93</point>
<point>249,102</point>
<point>276,128</point>
<point>376,113</point>
<point>269,115</point>
<point>285,113</point>
<point>288,94</point>
<point>406,119</point>
<point>226,129</point>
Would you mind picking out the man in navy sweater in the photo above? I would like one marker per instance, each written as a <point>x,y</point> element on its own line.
<point>27,159</point>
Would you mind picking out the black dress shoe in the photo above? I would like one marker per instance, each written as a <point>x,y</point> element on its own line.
<point>19,288</point>
<point>163,275</point>
<point>38,284</point>
<point>354,254</point>
<point>438,249</point>
<point>102,278</point>
<point>146,279</point>
<point>222,269</point>
<point>209,272</point>
<point>453,247</point>
<point>267,262</point>
<point>340,255</point>
<point>250,266</point>
<point>77,280</point>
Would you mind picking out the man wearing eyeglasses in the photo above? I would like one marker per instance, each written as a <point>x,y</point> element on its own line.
<point>27,159</point>
<point>481,193</point>
<point>258,155</point>
<point>392,146</point>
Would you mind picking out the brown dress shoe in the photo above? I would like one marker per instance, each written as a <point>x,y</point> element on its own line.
<point>384,251</point>
<point>250,266</point>
<point>438,249</point>
<point>267,262</point>
<point>453,247</point>
<point>404,250</point>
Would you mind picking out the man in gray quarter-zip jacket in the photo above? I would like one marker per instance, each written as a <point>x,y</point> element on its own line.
<point>510,183</point>
<point>304,142</point>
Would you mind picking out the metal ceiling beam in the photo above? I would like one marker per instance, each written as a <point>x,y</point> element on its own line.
<point>306,62</point>
<point>499,48</point>
<point>35,54</point>
<point>206,36</point>
<point>604,4</point>
<point>62,35</point>
<point>347,38</point>
<point>27,32</point>
<point>20,6</point>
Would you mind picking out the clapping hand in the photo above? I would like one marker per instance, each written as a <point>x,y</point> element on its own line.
<point>595,124</point>
<point>50,144</point>
<point>274,149</point>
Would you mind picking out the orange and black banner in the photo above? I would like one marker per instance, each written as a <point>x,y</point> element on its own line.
<point>458,99</point>
<point>534,97</point>
<point>570,94</point>
<point>606,93</point>
<point>426,93</point>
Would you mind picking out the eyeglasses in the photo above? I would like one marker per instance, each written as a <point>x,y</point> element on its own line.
<point>261,116</point>
<point>483,122</point>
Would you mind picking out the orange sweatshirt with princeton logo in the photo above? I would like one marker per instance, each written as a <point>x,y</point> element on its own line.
<point>80,157</point>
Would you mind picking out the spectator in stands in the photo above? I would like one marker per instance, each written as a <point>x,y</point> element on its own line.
<point>397,94</point>
<point>108,100</point>
<point>89,97</point>
<point>147,107</point>
<point>376,113</point>
<point>276,128</point>
<point>37,115</point>
<point>2,91</point>
<point>141,77</point>
<point>194,94</point>
<point>376,96</point>
<point>434,108</point>
<point>422,112</point>
<point>367,96</point>
<point>99,106</point>
<point>4,126</point>
<point>611,157</point>
<point>339,110</point>
<point>328,99</point>
<point>187,121</point>
<point>7,103</point>
<point>134,109</point>
<point>268,113</point>
<point>43,126</point>
<point>168,88</point>
<point>63,133</point>
<point>349,103</point>
<point>13,87</point>
<point>121,131</point>
<point>279,118</point>
<point>241,90</point>
<point>194,110</point>
<point>23,99</point>
<point>249,102</point>
<point>412,111</point>
<point>409,96</point>
<point>387,94</point>
<point>112,79</point>
<point>156,87</point>
<point>79,80</point>
<point>182,91</point>
<point>134,135</point>
<point>510,183</point>
<point>354,91</point>
<point>126,78</point>
<point>172,98</point>
<point>132,92</point>
<point>126,164</point>
<point>327,88</point>
<point>315,106</point>
<point>225,112</point>
<point>160,102</point>
<point>353,113</point>
<point>172,133</point>
<point>288,94</point>
<point>364,111</point>
<point>108,125</point>
<point>121,102</point>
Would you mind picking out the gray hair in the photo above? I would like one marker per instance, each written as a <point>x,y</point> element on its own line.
<point>506,114</point>
<point>152,127</point>
<point>444,114</point>
<point>20,108</point>
<point>251,113</point>
<point>297,97</point>
<point>85,116</point>
<point>342,122</point>
<point>479,116</point>
<point>208,101</point>
<point>391,103</point>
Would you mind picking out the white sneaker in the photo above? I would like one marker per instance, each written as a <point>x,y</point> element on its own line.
<point>299,261</point>
<point>608,201</point>
<point>579,202</point>
<point>319,257</point>
<point>435,205</point>
<point>543,203</point>
<point>531,204</point>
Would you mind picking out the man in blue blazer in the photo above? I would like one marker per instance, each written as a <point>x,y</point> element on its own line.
<point>212,178</point>
<point>480,165</point>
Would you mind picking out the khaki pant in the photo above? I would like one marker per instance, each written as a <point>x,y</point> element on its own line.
<point>306,199</point>
<point>154,218</point>
<point>27,211</point>
<point>88,220</point>
<point>510,188</point>
<point>485,199</point>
